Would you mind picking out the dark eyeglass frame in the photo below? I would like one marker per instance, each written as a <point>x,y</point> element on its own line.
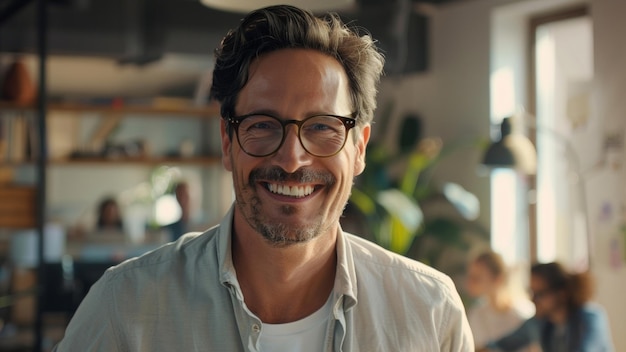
<point>348,123</point>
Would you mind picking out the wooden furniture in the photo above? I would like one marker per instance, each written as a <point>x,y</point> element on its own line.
<point>111,116</point>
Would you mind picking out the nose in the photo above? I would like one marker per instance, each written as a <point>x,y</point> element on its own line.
<point>291,155</point>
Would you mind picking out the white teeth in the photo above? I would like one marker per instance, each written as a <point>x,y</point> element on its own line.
<point>293,191</point>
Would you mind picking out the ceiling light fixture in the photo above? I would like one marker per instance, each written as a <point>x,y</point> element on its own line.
<point>245,6</point>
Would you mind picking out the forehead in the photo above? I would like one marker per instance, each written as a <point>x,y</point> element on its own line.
<point>288,79</point>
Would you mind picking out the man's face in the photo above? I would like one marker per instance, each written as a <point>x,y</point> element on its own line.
<point>293,84</point>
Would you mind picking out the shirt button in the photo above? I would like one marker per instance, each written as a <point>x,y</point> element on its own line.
<point>256,328</point>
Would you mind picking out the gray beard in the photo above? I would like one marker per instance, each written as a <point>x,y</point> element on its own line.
<point>280,234</point>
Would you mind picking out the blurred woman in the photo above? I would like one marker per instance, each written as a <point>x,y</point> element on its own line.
<point>497,312</point>
<point>565,319</point>
<point>109,216</point>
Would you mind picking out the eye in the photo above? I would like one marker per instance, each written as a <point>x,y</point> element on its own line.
<point>318,126</point>
<point>260,122</point>
<point>323,124</point>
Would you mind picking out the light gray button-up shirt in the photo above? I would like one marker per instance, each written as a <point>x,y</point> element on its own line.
<point>185,296</point>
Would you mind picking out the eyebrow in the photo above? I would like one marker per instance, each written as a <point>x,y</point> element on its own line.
<point>275,114</point>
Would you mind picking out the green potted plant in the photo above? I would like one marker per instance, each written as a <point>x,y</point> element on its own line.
<point>407,212</point>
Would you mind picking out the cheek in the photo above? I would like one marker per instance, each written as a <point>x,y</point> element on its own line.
<point>227,162</point>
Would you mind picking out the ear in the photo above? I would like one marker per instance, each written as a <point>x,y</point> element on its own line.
<point>226,146</point>
<point>361,145</point>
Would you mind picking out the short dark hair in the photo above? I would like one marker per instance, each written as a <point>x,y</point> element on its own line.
<point>579,287</point>
<point>493,262</point>
<point>281,27</point>
<point>104,204</point>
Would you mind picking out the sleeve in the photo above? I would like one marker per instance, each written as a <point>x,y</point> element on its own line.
<point>457,335</point>
<point>595,334</point>
<point>525,335</point>
<point>91,328</point>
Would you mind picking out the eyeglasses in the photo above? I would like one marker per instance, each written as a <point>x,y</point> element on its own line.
<point>261,135</point>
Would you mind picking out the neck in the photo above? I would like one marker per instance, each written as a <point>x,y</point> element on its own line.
<point>284,284</point>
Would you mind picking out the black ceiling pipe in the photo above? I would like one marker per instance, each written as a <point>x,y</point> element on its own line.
<point>11,9</point>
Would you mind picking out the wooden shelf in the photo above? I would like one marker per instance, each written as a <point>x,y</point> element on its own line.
<point>212,110</point>
<point>200,160</point>
<point>203,160</point>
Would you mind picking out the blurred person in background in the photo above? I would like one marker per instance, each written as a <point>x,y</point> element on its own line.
<point>565,318</point>
<point>498,310</point>
<point>181,226</point>
<point>109,216</point>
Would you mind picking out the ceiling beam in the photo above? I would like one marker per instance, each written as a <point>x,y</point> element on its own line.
<point>11,9</point>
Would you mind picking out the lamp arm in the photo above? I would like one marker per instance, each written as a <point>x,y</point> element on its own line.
<point>575,169</point>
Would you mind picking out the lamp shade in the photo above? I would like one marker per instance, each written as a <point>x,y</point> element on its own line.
<point>249,5</point>
<point>513,150</point>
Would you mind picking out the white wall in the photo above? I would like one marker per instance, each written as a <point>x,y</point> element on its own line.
<point>453,97</point>
<point>607,190</point>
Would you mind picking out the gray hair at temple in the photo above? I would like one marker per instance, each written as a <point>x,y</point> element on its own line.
<point>281,27</point>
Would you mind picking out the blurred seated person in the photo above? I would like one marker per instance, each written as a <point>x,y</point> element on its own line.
<point>109,216</point>
<point>565,319</point>
<point>108,225</point>
<point>498,311</point>
<point>180,227</point>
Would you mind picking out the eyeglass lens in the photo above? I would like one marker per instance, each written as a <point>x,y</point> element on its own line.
<point>261,135</point>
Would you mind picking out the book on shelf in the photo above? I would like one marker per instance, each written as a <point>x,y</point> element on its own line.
<point>19,139</point>
<point>62,134</point>
<point>4,140</point>
<point>17,149</point>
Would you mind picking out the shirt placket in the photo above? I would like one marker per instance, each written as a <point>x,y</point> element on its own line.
<point>249,325</point>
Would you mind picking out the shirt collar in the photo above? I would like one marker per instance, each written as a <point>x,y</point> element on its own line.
<point>345,276</point>
<point>228,277</point>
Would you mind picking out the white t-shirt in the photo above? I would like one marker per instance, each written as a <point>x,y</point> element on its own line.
<point>305,335</point>
<point>488,324</point>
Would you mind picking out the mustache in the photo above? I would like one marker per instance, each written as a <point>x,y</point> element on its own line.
<point>302,175</point>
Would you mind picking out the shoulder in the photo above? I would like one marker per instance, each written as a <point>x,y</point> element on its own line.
<point>186,250</point>
<point>592,313</point>
<point>373,261</point>
<point>594,328</point>
<point>162,275</point>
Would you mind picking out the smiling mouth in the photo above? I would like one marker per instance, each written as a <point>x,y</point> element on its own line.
<point>291,191</point>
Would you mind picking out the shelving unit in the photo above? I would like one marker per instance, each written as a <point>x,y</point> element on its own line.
<point>152,161</point>
<point>210,111</point>
<point>119,113</point>
<point>201,160</point>
<point>65,180</point>
<point>66,176</point>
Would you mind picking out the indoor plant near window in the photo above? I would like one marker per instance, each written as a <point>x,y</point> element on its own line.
<point>407,211</point>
